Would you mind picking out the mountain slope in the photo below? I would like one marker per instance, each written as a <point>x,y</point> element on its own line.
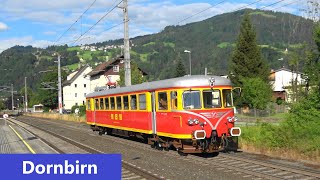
<point>211,41</point>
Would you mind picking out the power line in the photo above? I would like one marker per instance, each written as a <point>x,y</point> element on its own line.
<point>98,21</point>
<point>200,12</point>
<point>286,5</point>
<point>75,21</point>
<point>246,5</point>
<point>272,4</point>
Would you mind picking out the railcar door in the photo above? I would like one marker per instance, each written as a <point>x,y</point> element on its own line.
<point>154,116</point>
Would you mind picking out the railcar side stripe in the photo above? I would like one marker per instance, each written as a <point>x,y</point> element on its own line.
<point>199,115</point>
<point>218,122</point>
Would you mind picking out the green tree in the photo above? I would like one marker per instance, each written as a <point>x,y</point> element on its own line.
<point>180,69</point>
<point>136,75</point>
<point>312,65</point>
<point>246,61</point>
<point>256,93</point>
<point>47,93</point>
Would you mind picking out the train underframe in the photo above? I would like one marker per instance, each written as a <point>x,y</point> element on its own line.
<point>212,145</point>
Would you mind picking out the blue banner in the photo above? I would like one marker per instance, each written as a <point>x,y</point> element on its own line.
<point>60,166</point>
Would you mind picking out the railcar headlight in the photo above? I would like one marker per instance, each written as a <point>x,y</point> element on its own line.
<point>229,119</point>
<point>196,121</point>
<point>235,118</point>
<point>190,122</point>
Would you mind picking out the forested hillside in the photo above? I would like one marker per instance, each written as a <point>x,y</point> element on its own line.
<point>210,41</point>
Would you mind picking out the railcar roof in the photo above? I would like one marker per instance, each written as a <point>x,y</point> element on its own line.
<point>186,81</point>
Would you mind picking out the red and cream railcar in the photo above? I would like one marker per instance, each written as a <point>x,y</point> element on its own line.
<point>193,114</point>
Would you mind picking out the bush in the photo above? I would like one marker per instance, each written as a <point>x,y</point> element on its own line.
<point>299,131</point>
<point>82,110</point>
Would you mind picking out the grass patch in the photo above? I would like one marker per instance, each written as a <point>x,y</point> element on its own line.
<point>75,48</point>
<point>150,43</point>
<point>45,57</point>
<point>262,14</point>
<point>169,44</point>
<point>73,66</point>
<point>144,57</point>
<point>223,45</point>
<point>296,46</point>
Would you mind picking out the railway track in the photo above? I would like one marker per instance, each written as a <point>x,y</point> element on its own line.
<point>129,170</point>
<point>250,168</point>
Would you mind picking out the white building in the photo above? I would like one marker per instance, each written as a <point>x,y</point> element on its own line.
<point>281,81</point>
<point>76,87</point>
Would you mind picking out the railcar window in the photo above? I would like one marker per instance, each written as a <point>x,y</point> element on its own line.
<point>96,104</point>
<point>112,103</point>
<point>133,102</point>
<point>227,98</point>
<point>119,103</point>
<point>125,102</point>
<point>101,103</point>
<point>106,100</point>
<point>162,101</point>
<point>211,98</point>
<point>88,104</point>
<point>142,102</point>
<point>174,100</point>
<point>191,100</point>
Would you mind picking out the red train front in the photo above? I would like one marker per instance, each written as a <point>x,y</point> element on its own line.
<point>193,114</point>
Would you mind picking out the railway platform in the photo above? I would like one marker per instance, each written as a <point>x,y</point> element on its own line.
<point>15,140</point>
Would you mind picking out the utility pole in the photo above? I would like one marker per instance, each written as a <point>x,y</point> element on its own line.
<point>59,86</point>
<point>12,97</point>
<point>25,94</point>
<point>126,45</point>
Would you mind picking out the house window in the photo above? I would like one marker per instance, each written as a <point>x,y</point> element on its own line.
<point>75,85</point>
<point>115,68</point>
<point>85,94</point>
<point>75,94</point>
<point>84,85</point>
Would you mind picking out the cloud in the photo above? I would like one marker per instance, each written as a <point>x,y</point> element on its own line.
<point>3,26</point>
<point>49,33</point>
<point>23,41</point>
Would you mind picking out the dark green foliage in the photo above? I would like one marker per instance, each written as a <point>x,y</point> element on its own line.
<point>312,65</point>
<point>180,69</point>
<point>246,59</point>
<point>48,95</point>
<point>256,93</point>
<point>136,76</point>
<point>82,110</point>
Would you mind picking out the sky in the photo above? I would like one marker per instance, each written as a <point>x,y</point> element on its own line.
<point>41,23</point>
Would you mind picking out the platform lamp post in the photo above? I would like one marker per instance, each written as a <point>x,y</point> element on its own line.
<point>187,51</point>
<point>25,95</point>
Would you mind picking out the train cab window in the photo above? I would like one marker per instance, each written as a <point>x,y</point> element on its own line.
<point>125,102</point>
<point>227,98</point>
<point>96,104</point>
<point>88,105</point>
<point>133,102</point>
<point>112,103</point>
<point>162,101</point>
<point>191,100</point>
<point>211,98</point>
<point>142,102</point>
<point>101,104</point>
<point>106,100</point>
<point>174,100</point>
<point>119,103</point>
